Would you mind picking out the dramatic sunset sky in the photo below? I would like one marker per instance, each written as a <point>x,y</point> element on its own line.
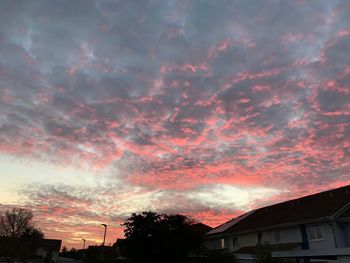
<point>206,108</point>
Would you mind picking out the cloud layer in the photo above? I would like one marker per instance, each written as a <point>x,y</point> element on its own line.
<point>175,100</point>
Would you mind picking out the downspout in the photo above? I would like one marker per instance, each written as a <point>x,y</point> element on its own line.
<point>305,244</point>
<point>332,224</point>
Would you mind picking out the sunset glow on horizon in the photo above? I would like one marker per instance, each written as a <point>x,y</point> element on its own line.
<point>204,108</point>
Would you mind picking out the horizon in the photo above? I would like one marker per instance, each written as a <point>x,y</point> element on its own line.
<point>204,108</point>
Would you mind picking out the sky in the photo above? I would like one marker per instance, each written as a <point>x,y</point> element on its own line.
<point>205,108</point>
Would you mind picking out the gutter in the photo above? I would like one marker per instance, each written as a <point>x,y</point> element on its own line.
<point>296,223</point>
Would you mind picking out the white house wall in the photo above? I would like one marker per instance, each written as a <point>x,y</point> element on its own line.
<point>214,243</point>
<point>340,232</point>
<point>346,234</point>
<point>245,240</point>
<point>287,235</point>
<point>328,239</point>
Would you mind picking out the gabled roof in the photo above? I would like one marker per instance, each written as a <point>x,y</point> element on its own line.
<point>322,205</point>
<point>200,228</point>
<point>228,224</point>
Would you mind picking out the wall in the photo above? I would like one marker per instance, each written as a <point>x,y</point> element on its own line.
<point>43,253</point>
<point>343,259</point>
<point>287,235</point>
<point>346,234</point>
<point>214,243</point>
<point>340,232</point>
<point>328,239</point>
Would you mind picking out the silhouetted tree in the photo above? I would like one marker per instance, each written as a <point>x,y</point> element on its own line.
<point>73,253</point>
<point>33,232</point>
<point>152,237</point>
<point>64,249</point>
<point>100,254</point>
<point>18,223</point>
<point>18,235</point>
<point>140,232</point>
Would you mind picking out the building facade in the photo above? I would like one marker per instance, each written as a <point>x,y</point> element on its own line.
<point>313,228</point>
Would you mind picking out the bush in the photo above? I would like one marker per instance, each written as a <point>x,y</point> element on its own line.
<point>219,256</point>
<point>263,254</point>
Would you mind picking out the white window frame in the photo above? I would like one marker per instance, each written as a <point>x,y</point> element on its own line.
<point>312,229</point>
<point>222,243</point>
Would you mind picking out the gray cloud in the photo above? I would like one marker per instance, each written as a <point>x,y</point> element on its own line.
<point>176,95</point>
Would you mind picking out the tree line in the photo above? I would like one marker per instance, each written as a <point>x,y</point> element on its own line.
<point>19,237</point>
<point>150,237</point>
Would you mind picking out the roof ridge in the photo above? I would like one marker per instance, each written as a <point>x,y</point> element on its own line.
<point>313,206</point>
<point>304,197</point>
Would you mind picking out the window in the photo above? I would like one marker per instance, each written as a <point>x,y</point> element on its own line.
<point>235,242</point>
<point>277,236</point>
<point>222,243</point>
<point>315,232</point>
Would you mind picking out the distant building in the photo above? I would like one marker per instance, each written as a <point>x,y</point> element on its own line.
<point>314,228</point>
<point>120,246</point>
<point>200,229</point>
<point>47,246</point>
<point>32,249</point>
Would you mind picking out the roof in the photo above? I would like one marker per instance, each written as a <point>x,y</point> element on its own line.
<point>121,242</point>
<point>312,207</point>
<point>51,244</point>
<point>200,228</point>
<point>229,224</point>
<point>33,243</point>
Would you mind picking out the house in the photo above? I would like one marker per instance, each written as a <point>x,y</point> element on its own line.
<point>314,228</point>
<point>199,229</point>
<point>120,246</point>
<point>30,249</point>
<point>49,246</point>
